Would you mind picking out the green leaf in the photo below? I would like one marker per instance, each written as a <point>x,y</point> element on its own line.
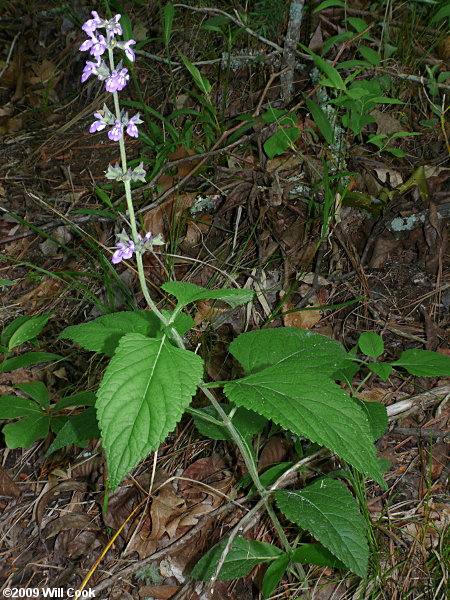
<point>85,398</point>
<point>316,554</point>
<point>274,574</point>
<point>104,197</point>
<point>103,334</point>
<point>321,121</point>
<point>298,394</point>
<point>145,390</point>
<point>5,282</point>
<point>276,115</point>
<point>331,514</point>
<point>442,13</point>
<point>28,359</point>
<point>27,330</point>
<point>186,293</point>
<point>201,82</point>
<point>377,417</point>
<point>36,390</point>
<point>26,431</point>
<point>77,430</point>
<point>383,370</point>
<point>247,422</point>
<point>243,556</point>
<point>182,323</point>
<point>349,368</point>
<point>371,344</point>
<point>424,363</point>
<point>280,141</point>
<point>12,407</point>
<point>327,4</point>
<point>256,350</point>
<point>372,56</point>
<point>167,23</point>
<point>334,77</point>
<point>395,152</point>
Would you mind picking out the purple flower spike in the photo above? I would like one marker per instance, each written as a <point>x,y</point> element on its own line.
<point>132,130</point>
<point>115,133</point>
<point>91,25</point>
<point>123,252</point>
<point>97,125</point>
<point>129,51</point>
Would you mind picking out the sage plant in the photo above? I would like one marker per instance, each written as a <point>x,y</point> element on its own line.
<point>115,76</point>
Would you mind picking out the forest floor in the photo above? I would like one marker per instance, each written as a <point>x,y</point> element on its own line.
<point>338,242</point>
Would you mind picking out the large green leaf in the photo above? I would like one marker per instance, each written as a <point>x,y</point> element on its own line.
<point>424,363</point>
<point>240,560</point>
<point>145,390</point>
<point>290,383</point>
<point>301,399</point>
<point>186,293</point>
<point>256,350</point>
<point>103,334</point>
<point>331,514</point>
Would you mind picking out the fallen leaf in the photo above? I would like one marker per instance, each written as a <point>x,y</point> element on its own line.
<point>7,485</point>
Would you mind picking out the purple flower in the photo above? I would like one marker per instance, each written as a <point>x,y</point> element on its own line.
<point>89,69</point>
<point>122,79</point>
<point>97,46</point>
<point>97,125</point>
<point>117,80</point>
<point>112,83</point>
<point>129,51</point>
<point>132,130</point>
<point>123,252</point>
<point>115,133</point>
<point>114,26</point>
<point>88,43</point>
<point>91,25</point>
<point>146,238</point>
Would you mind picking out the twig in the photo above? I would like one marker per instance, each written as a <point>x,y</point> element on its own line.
<point>236,20</point>
<point>8,58</point>
<point>290,45</point>
<point>397,410</point>
<point>424,433</point>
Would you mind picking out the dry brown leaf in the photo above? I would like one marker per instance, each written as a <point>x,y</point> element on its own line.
<point>196,230</point>
<point>166,511</point>
<point>384,246</point>
<point>207,312</point>
<point>69,521</point>
<point>208,470</point>
<point>7,485</point>
<point>386,124</point>
<point>302,319</point>
<point>275,451</point>
<point>158,219</point>
<point>162,592</point>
